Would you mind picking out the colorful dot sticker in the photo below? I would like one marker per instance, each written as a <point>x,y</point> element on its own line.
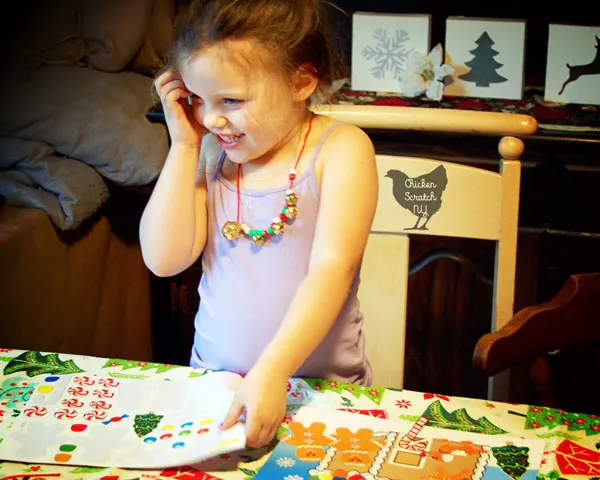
<point>52,379</point>
<point>203,431</point>
<point>178,445</point>
<point>67,447</point>
<point>168,428</point>
<point>184,433</point>
<point>78,427</point>
<point>206,422</point>
<point>45,388</point>
<point>62,457</point>
<point>187,425</point>
<point>165,436</point>
<point>150,440</point>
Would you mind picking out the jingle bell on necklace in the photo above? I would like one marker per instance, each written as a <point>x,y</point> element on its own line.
<point>232,230</point>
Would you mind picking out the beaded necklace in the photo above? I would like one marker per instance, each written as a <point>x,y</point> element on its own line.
<point>232,230</point>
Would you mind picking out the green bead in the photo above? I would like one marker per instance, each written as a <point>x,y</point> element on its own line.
<point>270,231</point>
<point>283,210</point>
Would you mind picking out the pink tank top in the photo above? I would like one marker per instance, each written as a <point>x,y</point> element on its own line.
<point>245,290</point>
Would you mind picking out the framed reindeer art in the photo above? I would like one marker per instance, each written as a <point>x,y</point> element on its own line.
<point>573,65</point>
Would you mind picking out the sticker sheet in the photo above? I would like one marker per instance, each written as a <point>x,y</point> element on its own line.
<point>96,420</point>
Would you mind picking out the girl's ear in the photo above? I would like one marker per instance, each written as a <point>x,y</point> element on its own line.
<point>305,83</point>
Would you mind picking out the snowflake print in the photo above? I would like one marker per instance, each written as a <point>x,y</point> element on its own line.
<point>286,462</point>
<point>403,403</point>
<point>389,52</point>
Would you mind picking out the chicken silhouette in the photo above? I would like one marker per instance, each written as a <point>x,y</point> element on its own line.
<point>422,196</point>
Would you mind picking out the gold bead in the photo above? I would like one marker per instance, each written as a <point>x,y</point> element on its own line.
<point>278,228</point>
<point>231,230</point>
<point>258,240</point>
<point>291,212</point>
<point>291,199</point>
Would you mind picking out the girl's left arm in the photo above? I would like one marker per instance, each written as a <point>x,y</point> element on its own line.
<point>349,189</point>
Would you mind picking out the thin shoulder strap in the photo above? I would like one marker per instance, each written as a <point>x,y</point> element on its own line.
<point>322,141</point>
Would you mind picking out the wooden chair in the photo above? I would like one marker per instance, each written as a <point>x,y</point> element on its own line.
<point>422,196</point>
<point>540,333</point>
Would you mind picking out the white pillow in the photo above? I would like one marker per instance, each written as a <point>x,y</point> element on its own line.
<point>114,31</point>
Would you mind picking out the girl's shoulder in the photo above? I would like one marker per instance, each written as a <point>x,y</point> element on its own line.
<point>341,138</point>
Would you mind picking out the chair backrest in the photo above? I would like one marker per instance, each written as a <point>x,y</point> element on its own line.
<point>570,320</point>
<point>425,196</point>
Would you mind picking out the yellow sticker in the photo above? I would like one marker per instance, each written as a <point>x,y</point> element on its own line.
<point>45,388</point>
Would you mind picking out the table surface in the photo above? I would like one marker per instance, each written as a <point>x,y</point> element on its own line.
<point>572,440</point>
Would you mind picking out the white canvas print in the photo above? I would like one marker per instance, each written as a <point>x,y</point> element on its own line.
<point>573,65</point>
<point>488,57</point>
<point>380,45</point>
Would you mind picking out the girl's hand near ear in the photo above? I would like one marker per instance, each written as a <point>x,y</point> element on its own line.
<point>184,128</point>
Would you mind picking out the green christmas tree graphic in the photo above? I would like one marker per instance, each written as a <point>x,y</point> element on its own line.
<point>539,417</point>
<point>438,416</point>
<point>36,363</point>
<point>145,424</point>
<point>483,66</point>
<point>512,460</point>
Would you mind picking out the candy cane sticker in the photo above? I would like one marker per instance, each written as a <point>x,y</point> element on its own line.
<point>103,393</point>
<point>65,413</point>
<point>36,411</point>
<point>95,415</point>
<point>84,380</point>
<point>72,403</point>
<point>77,391</point>
<point>100,405</point>
<point>408,440</point>
<point>108,382</point>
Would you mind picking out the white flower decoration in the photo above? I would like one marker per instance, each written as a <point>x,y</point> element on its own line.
<point>424,74</point>
<point>286,462</point>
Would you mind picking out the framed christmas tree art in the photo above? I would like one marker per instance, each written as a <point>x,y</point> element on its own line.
<point>487,56</point>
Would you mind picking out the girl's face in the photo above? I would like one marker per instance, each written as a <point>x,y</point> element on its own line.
<point>251,111</point>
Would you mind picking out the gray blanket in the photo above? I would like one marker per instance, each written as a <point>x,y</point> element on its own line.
<point>64,129</point>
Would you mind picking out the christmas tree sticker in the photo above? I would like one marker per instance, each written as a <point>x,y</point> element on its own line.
<point>483,66</point>
<point>512,460</point>
<point>145,424</point>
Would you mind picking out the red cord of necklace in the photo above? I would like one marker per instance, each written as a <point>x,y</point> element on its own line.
<point>292,176</point>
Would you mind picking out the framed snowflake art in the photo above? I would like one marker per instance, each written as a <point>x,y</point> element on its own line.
<point>487,56</point>
<point>381,43</point>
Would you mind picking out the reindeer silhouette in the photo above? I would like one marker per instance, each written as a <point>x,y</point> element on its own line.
<point>576,71</point>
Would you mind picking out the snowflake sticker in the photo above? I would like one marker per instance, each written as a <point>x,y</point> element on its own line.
<point>389,52</point>
<point>286,462</point>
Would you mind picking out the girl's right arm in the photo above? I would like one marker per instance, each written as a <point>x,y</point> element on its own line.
<point>173,225</point>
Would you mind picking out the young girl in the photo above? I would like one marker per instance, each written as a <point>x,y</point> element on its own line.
<point>278,200</point>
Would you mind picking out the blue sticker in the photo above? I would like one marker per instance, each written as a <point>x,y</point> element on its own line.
<point>187,425</point>
<point>149,439</point>
<point>52,379</point>
<point>178,445</point>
